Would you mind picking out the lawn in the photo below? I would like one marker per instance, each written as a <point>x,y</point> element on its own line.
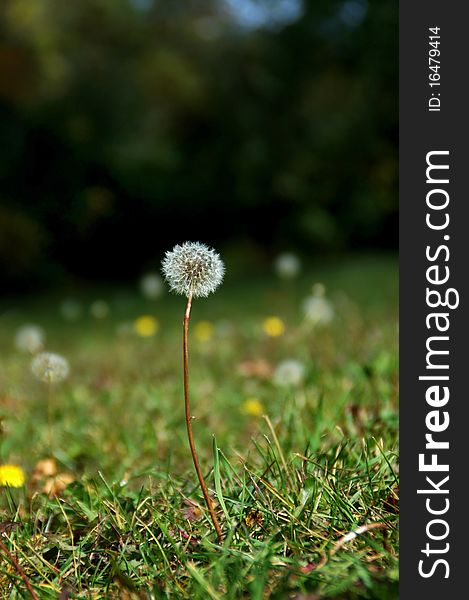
<point>295,459</point>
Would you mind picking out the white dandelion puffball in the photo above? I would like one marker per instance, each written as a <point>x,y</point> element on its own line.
<point>317,310</point>
<point>193,269</point>
<point>151,286</point>
<point>50,367</point>
<point>30,338</point>
<point>70,309</point>
<point>287,265</point>
<point>289,373</point>
<point>99,309</point>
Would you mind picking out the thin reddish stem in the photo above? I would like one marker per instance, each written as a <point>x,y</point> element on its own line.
<point>20,571</point>
<point>208,500</point>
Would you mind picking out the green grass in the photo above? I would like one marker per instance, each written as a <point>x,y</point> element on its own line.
<point>132,524</point>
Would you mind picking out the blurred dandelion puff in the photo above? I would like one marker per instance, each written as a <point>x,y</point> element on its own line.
<point>71,310</point>
<point>289,373</point>
<point>317,310</point>
<point>11,476</point>
<point>224,328</point>
<point>30,338</point>
<point>193,269</point>
<point>151,286</point>
<point>287,265</point>
<point>99,309</point>
<point>124,329</point>
<point>50,367</point>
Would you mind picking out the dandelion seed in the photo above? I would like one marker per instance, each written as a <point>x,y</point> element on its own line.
<point>151,286</point>
<point>146,326</point>
<point>289,373</point>
<point>30,338</point>
<point>204,331</point>
<point>11,476</point>
<point>273,326</point>
<point>71,310</point>
<point>50,367</point>
<point>99,309</point>
<point>193,269</point>
<point>253,407</point>
<point>287,265</point>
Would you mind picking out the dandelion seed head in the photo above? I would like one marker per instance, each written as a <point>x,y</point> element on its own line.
<point>151,286</point>
<point>70,309</point>
<point>50,367</point>
<point>289,373</point>
<point>193,269</point>
<point>30,338</point>
<point>318,310</point>
<point>287,265</point>
<point>99,309</point>
<point>125,329</point>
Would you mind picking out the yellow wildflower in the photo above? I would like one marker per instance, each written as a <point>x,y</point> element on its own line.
<point>273,326</point>
<point>11,476</point>
<point>253,407</point>
<point>204,331</point>
<point>146,326</point>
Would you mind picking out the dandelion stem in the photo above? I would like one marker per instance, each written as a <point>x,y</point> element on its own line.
<point>190,435</point>
<point>49,414</point>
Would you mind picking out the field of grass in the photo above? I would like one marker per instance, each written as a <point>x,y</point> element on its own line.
<point>111,506</point>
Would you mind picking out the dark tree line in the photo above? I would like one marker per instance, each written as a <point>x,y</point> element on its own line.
<point>127,129</point>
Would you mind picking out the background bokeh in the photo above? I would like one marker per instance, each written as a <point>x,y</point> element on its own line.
<point>131,125</point>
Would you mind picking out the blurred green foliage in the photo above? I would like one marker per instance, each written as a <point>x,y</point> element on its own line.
<point>130,125</point>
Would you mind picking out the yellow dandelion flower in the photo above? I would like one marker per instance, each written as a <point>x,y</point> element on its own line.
<point>253,407</point>
<point>204,331</point>
<point>273,326</point>
<point>11,476</point>
<point>146,326</point>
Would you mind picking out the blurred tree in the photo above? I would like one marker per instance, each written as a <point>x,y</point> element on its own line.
<point>134,124</point>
